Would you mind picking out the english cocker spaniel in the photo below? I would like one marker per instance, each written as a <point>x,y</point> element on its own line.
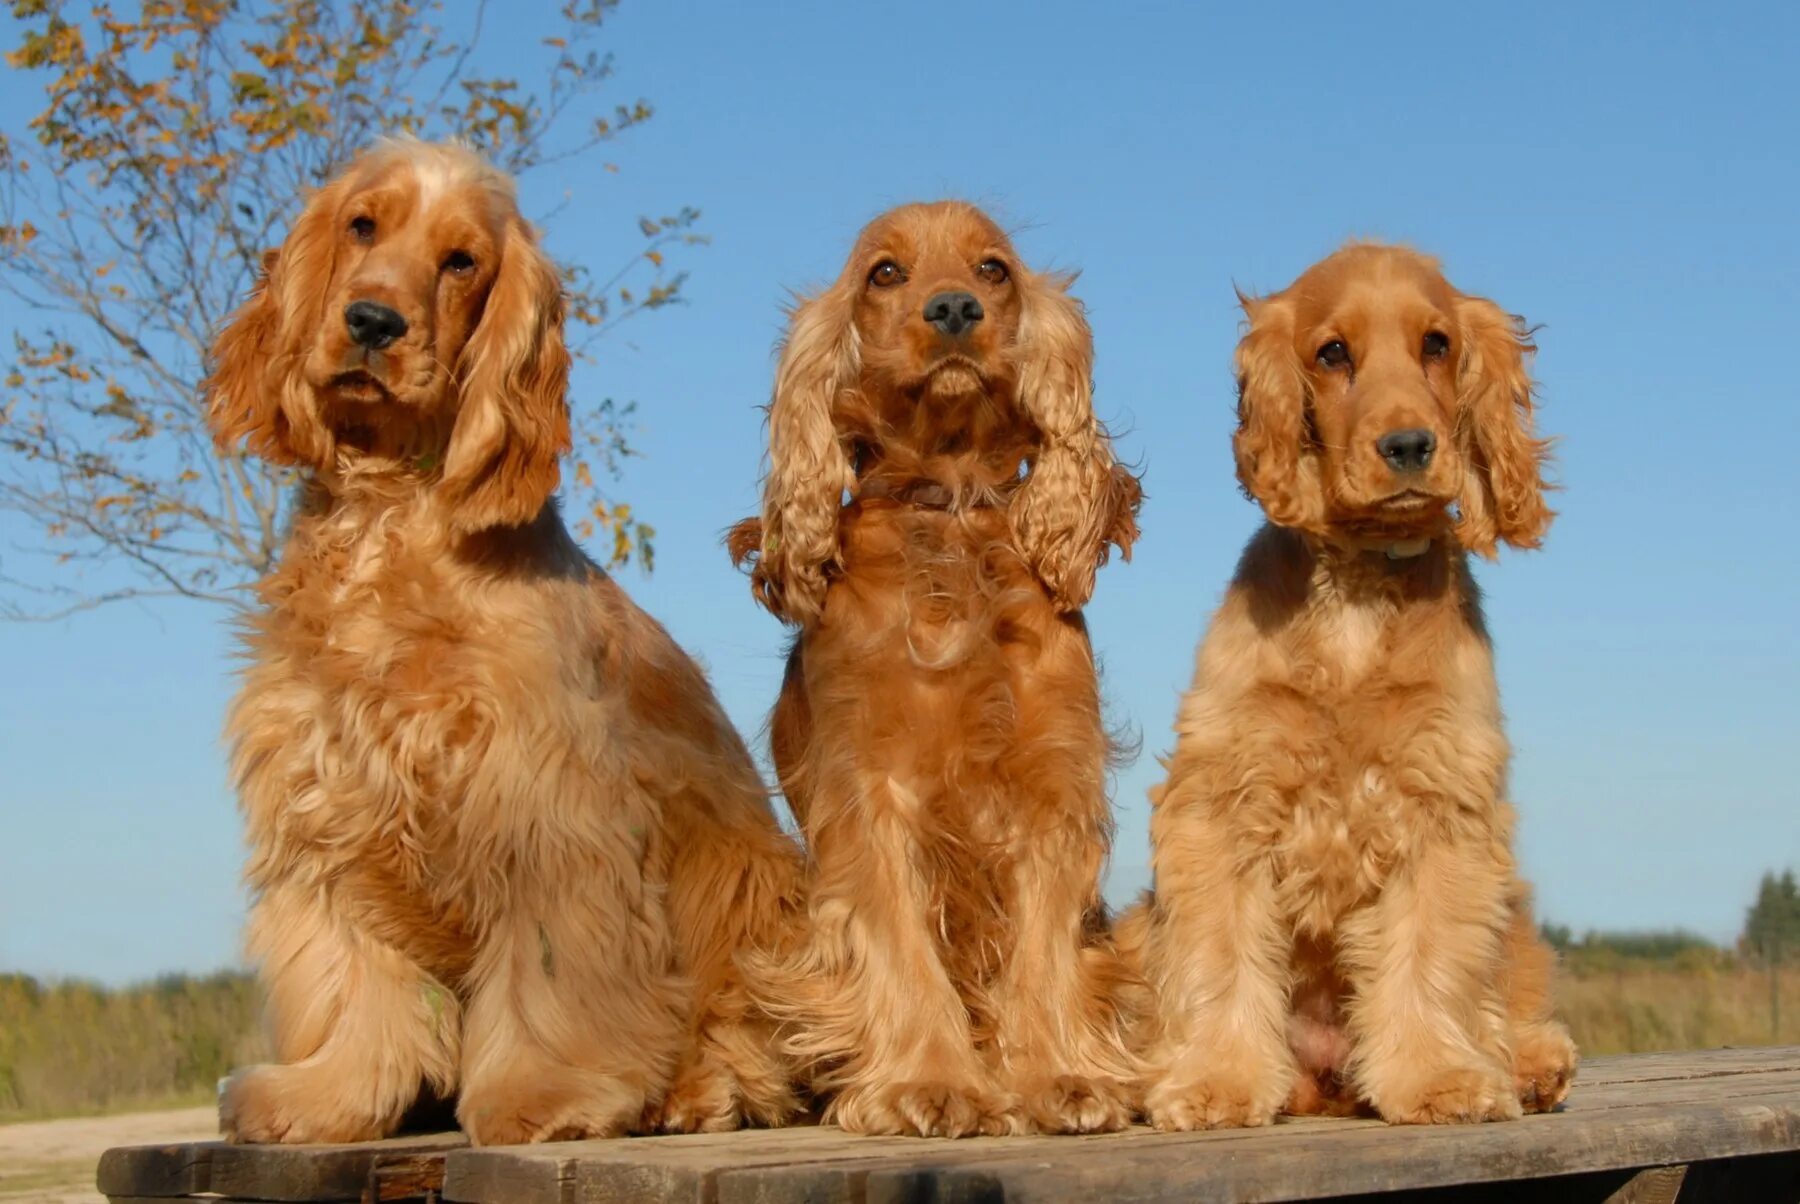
<point>1337,918</point>
<point>939,733</point>
<point>504,842</point>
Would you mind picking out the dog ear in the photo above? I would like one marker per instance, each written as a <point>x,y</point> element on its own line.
<point>1073,504</point>
<point>254,392</point>
<point>809,468</point>
<point>512,423</point>
<point>1503,488</point>
<point>1276,462</point>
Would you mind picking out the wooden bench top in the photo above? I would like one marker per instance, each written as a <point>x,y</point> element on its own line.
<point>1732,1117</point>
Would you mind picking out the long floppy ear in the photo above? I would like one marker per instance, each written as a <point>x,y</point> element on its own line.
<point>254,391</point>
<point>1276,462</point>
<point>1069,509</point>
<point>1503,475</point>
<point>513,421</point>
<point>809,468</point>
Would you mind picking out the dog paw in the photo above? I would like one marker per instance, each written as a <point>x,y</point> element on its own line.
<point>1544,1061</point>
<point>923,1109</point>
<point>700,1100</point>
<point>295,1105</point>
<point>553,1107</point>
<point>1215,1101</point>
<point>1073,1103</point>
<point>1459,1095</point>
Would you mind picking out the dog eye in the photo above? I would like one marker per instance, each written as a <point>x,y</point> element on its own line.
<point>887,273</point>
<point>1436,344</point>
<point>993,271</point>
<point>1334,354</point>
<point>362,229</point>
<point>460,263</point>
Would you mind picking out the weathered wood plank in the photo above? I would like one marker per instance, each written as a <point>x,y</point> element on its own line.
<point>1688,1064</point>
<point>1626,1115</point>
<point>155,1170</point>
<point>1369,1160</point>
<point>296,1174</point>
<point>846,1169</point>
<point>825,1163</point>
<point>303,1174</point>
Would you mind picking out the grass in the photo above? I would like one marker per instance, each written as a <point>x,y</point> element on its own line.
<point>1644,1007</point>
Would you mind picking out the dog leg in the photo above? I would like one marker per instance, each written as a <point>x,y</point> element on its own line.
<point>1217,957</point>
<point>358,1028</point>
<point>1427,1022</point>
<point>870,993</point>
<point>1057,1008</point>
<point>1217,951</point>
<point>1543,1054</point>
<point>732,890</point>
<point>576,1016</point>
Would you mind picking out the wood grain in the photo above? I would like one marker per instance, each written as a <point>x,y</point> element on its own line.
<point>1730,1117</point>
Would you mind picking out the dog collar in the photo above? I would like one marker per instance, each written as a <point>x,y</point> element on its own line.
<point>1406,549</point>
<point>930,495</point>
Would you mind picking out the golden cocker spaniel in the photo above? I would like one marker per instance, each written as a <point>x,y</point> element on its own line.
<point>939,731</point>
<point>504,842</point>
<point>1337,918</point>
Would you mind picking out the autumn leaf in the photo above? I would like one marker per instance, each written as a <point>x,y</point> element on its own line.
<point>175,142</point>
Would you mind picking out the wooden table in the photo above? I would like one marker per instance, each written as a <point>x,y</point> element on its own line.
<point>1646,1129</point>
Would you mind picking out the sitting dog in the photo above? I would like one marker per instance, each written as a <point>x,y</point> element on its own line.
<point>939,733</point>
<point>504,842</point>
<point>1337,919</point>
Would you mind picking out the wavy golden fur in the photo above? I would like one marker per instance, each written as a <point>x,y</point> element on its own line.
<point>939,733</point>
<point>1337,919</point>
<point>504,842</point>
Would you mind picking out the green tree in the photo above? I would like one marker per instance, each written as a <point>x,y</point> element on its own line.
<point>1772,927</point>
<point>176,142</point>
<point>1772,934</point>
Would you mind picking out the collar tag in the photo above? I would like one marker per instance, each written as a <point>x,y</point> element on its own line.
<point>1408,548</point>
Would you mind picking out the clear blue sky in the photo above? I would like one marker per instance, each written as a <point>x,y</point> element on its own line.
<point>1624,175</point>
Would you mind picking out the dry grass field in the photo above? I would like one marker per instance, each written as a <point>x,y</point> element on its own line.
<point>1640,1008</point>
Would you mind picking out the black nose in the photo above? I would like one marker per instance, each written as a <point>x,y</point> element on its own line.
<point>373,325</point>
<point>953,313</point>
<point>1407,451</point>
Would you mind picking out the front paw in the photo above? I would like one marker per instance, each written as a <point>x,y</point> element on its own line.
<point>1214,1100</point>
<point>1452,1096</point>
<point>561,1106</point>
<point>1073,1103</point>
<point>927,1109</point>
<point>694,1103</point>
<point>1544,1061</point>
<point>296,1105</point>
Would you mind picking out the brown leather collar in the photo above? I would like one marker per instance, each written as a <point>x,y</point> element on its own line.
<point>929,495</point>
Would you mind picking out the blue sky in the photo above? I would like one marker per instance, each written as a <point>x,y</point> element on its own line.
<point>1624,176</point>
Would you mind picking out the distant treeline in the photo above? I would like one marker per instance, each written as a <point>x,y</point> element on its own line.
<point>1603,951</point>
<point>74,1047</point>
<point>1770,938</point>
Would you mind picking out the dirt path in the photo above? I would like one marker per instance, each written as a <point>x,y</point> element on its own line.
<point>52,1161</point>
